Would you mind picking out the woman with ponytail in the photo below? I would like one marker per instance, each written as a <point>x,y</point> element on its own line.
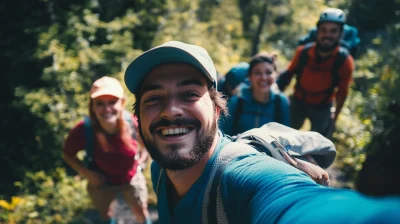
<point>113,143</point>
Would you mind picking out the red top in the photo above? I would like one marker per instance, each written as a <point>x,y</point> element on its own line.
<point>118,166</point>
<point>317,76</point>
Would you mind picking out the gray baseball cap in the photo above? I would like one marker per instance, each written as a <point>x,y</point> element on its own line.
<point>170,52</point>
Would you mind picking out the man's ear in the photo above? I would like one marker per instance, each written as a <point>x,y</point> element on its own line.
<point>217,112</point>
<point>140,140</point>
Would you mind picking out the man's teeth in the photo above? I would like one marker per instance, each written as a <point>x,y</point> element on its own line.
<point>174,131</point>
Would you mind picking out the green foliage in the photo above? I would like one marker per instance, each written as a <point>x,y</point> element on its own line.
<point>374,14</point>
<point>221,36</point>
<point>65,45</point>
<point>78,47</point>
<point>286,25</point>
<point>55,198</point>
<point>366,115</point>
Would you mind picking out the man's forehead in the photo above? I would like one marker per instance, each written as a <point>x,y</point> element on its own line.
<point>329,25</point>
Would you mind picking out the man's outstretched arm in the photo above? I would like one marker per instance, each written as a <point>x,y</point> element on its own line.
<point>286,76</point>
<point>259,189</point>
<point>346,72</point>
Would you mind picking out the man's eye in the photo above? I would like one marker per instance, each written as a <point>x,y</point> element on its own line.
<point>152,99</point>
<point>190,94</point>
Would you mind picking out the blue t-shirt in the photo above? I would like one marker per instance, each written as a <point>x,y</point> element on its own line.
<point>258,189</point>
<point>254,114</point>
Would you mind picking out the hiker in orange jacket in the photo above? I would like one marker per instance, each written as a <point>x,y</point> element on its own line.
<point>324,73</point>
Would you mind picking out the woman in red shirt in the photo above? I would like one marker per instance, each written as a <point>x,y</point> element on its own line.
<point>113,169</point>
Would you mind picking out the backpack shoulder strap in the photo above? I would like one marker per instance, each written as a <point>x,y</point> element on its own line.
<point>237,114</point>
<point>277,109</point>
<point>340,58</point>
<point>89,140</point>
<point>213,208</point>
<point>303,59</point>
<point>159,181</point>
<point>300,67</point>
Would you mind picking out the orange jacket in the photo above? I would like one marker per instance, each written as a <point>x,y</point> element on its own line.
<point>317,76</point>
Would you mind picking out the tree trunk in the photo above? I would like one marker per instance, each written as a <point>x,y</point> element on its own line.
<point>244,6</point>
<point>256,38</point>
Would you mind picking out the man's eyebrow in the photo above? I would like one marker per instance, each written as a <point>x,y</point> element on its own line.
<point>150,87</point>
<point>189,82</point>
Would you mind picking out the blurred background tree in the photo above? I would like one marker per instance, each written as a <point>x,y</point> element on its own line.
<point>52,51</point>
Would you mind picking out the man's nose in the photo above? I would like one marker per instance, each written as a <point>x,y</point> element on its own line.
<point>172,109</point>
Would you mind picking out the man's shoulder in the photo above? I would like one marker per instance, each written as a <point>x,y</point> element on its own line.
<point>347,61</point>
<point>254,170</point>
<point>255,179</point>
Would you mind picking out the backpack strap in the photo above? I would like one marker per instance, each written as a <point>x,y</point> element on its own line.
<point>239,112</point>
<point>89,141</point>
<point>213,208</point>
<point>237,115</point>
<point>278,108</point>
<point>302,61</point>
<point>159,181</point>
<point>300,67</point>
<point>340,58</point>
<point>213,194</point>
<point>89,135</point>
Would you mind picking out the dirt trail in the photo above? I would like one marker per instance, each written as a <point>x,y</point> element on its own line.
<point>122,214</point>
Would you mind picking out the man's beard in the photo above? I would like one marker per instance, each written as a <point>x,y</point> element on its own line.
<point>174,160</point>
<point>329,48</point>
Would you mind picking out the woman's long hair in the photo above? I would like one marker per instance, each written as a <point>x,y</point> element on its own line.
<point>124,131</point>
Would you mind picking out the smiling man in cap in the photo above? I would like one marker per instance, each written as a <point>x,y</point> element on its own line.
<point>199,177</point>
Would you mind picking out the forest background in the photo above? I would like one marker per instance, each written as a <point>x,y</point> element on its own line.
<point>53,50</point>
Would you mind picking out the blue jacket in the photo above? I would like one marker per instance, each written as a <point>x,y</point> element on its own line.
<point>258,189</point>
<point>254,114</point>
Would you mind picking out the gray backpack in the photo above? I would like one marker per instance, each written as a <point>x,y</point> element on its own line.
<point>277,140</point>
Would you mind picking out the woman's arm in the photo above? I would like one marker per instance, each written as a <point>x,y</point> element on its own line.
<point>143,154</point>
<point>285,110</point>
<point>74,143</point>
<point>93,177</point>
